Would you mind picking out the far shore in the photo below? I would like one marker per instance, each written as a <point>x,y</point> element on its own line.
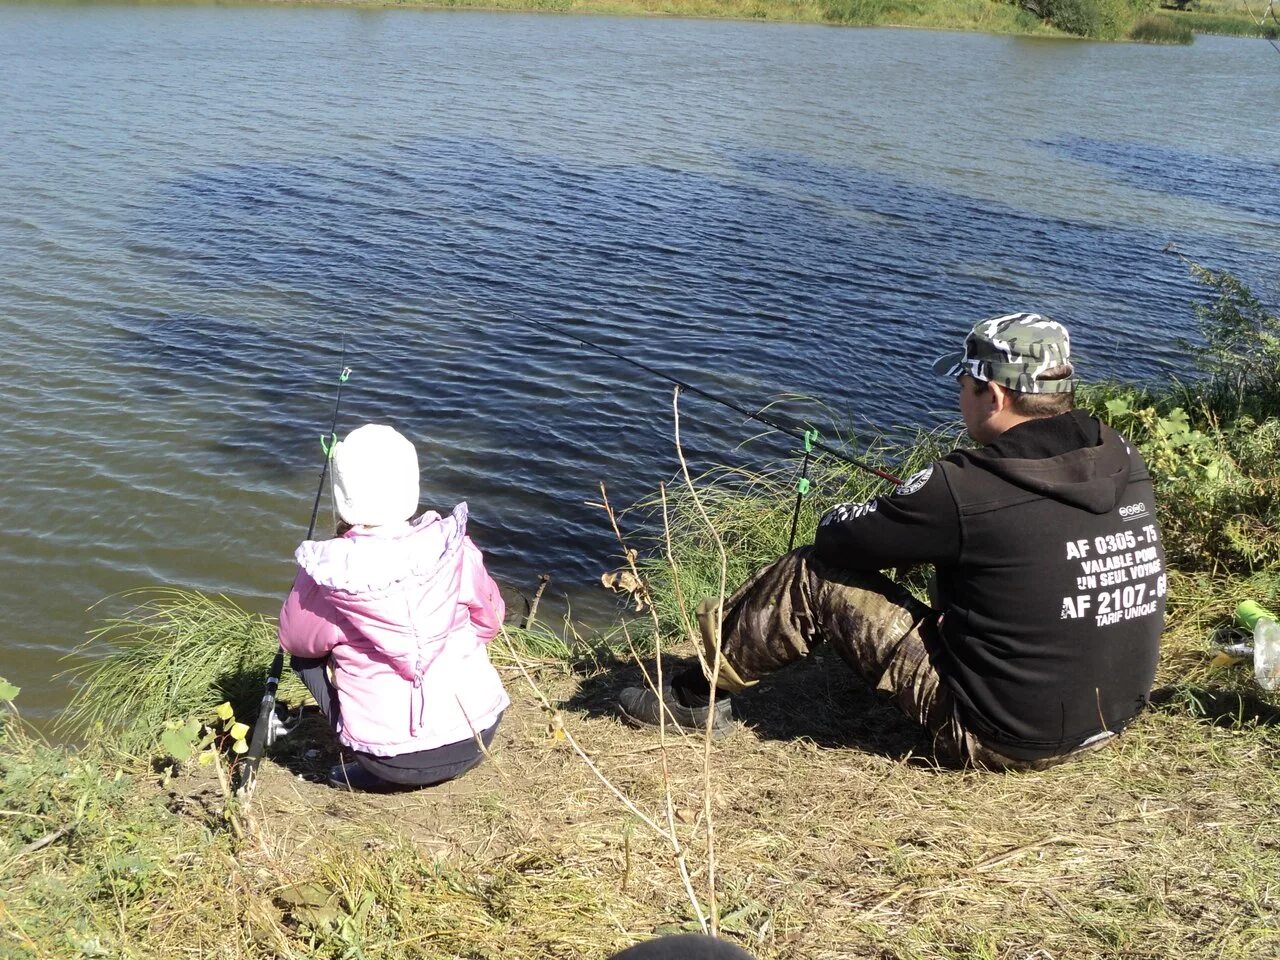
<point>1225,17</point>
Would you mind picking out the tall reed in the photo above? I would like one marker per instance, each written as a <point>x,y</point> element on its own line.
<point>1158,29</point>
<point>174,654</point>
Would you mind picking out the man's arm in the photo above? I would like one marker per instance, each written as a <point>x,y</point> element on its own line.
<point>917,523</point>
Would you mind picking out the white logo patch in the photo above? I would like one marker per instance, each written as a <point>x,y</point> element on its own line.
<point>848,511</point>
<point>1134,511</point>
<point>914,482</point>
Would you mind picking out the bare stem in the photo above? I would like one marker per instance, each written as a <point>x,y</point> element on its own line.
<point>715,673</point>
<point>657,687</point>
<point>688,625</point>
<point>669,836</point>
<point>229,811</point>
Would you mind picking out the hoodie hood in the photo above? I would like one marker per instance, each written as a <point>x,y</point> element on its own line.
<point>397,587</point>
<point>369,562</point>
<point>1072,458</point>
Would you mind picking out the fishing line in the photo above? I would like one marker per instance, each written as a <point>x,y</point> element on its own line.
<point>811,443</point>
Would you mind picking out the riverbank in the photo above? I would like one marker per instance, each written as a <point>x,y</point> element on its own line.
<point>818,829</point>
<point>835,839</point>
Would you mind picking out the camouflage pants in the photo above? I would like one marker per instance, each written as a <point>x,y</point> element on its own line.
<point>884,633</point>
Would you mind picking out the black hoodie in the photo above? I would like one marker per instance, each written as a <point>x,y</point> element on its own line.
<point>1050,574</point>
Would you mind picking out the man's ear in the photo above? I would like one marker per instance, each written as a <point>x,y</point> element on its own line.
<point>1000,398</point>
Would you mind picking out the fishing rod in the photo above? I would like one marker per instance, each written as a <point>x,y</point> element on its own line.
<point>809,437</point>
<point>802,485</point>
<point>264,731</point>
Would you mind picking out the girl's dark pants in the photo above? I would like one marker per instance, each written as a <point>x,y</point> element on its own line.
<point>421,769</point>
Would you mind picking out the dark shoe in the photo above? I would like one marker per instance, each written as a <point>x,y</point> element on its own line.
<point>641,706</point>
<point>352,776</point>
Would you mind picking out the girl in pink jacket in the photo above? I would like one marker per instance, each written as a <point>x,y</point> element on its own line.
<point>388,624</point>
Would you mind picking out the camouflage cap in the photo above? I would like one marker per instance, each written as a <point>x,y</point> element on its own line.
<point>1013,350</point>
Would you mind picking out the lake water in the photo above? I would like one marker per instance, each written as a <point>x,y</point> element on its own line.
<point>198,203</point>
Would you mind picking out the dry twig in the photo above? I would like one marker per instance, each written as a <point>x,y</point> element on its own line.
<point>657,687</point>
<point>543,580</point>
<point>714,674</point>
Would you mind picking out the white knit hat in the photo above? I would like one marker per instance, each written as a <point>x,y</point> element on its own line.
<point>375,477</point>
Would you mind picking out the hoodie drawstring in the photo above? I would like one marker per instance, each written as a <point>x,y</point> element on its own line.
<point>417,706</point>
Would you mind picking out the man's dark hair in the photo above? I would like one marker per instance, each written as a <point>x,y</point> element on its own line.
<point>1038,404</point>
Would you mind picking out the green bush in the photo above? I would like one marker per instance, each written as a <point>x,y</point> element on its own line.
<point>1095,19</point>
<point>1213,444</point>
<point>1242,348</point>
<point>1217,481</point>
<point>1157,29</point>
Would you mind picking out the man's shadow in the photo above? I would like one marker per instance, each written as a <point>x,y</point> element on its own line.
<point>818,699</point>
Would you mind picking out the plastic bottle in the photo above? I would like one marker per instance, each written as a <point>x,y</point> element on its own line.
<point>1266,642</point>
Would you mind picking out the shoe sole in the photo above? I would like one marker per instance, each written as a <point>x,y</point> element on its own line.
<point>717,732</point>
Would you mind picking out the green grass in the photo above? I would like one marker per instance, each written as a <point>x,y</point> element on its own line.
<point>751,513</point>
<point>1160,29</point>
<point>987,16</point>
<point>1162,847</point>
<point>992,16</point>
<point>102,859</point>
<point>935,14</point>
<point>1238,24</point>
<point>174,654</point>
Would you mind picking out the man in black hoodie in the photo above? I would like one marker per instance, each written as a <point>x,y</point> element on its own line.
<point>1049,569</point>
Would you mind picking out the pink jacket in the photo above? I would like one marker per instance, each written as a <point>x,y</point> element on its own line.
<point>406,615</point>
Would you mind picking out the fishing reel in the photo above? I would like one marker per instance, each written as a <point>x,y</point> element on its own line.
<point>284,720</point>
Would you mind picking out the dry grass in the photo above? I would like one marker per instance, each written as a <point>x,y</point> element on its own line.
<point>835,838</point>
